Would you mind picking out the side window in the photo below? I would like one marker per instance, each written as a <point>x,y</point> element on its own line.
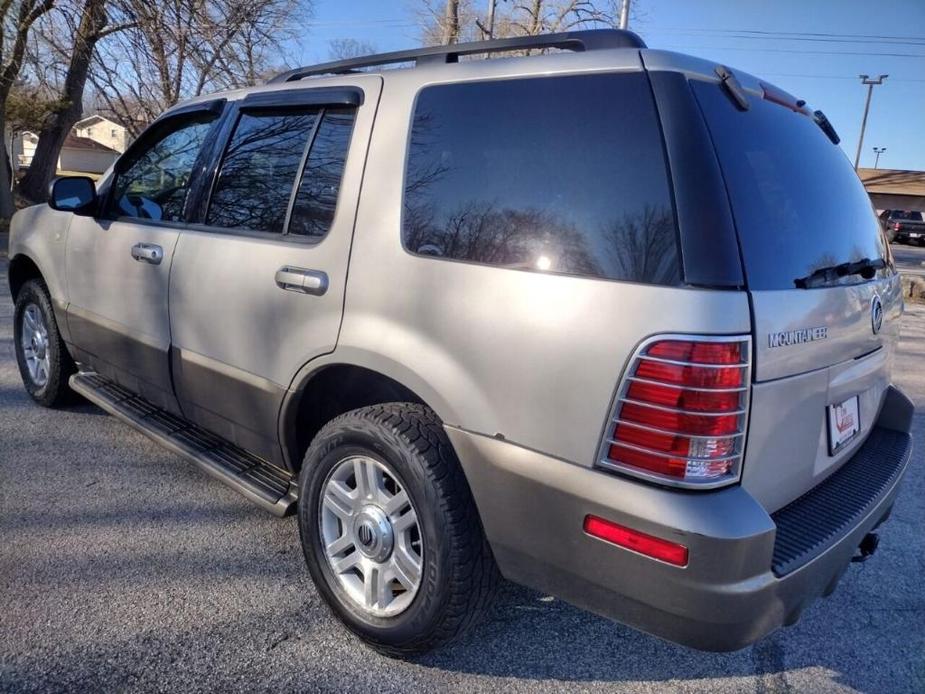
<point>551,174</point>
<point>262,164</point>
<point>154,182</point>
<point>259,169</point>
<point>316,199</point>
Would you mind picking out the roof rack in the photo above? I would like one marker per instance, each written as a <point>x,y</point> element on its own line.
<point>590,40</point>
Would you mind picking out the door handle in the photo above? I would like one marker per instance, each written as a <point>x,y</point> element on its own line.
<point>297,279</point>
<point>148,253</point>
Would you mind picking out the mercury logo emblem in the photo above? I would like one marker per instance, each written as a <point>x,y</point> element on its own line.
<point>365,535</point>
<point>876,314</point>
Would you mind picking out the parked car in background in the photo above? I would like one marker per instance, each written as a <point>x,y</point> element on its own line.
<point>554,317</point>
<point>903,226</point>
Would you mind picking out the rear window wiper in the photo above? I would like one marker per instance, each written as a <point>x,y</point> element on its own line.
<point>826,126</point>
<point>865,267</point>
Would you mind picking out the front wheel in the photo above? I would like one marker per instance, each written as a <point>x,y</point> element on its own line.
<point>44,362</point>
<point>390,531</point>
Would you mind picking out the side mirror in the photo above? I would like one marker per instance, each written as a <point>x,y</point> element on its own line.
<point>75,194</point>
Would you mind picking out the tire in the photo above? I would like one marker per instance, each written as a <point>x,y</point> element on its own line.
<point>458,577</point>
<point>48,385</point>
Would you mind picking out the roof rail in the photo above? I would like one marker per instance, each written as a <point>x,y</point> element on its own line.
<point>590,40</point>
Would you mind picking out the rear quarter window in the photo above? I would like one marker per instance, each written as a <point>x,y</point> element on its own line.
<point>557,174</point>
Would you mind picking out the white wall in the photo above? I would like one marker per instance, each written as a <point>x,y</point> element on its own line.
<point>85,160</point>
<point>105,132</point>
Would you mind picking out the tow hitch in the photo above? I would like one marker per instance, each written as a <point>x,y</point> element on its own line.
<point>867,547</point>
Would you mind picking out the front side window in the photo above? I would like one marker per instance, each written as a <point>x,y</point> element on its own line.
<point>154,182</point>
<point>553,174</point>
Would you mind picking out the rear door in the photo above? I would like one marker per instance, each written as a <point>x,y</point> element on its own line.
<point>257,285</point>
<point>824,337</point>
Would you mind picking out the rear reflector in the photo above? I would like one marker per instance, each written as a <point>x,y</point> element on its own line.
<point>648,545</point>
<point>681,412</point>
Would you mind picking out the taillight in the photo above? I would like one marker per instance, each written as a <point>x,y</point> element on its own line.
<point>681,412</point>
<point>896,226</point>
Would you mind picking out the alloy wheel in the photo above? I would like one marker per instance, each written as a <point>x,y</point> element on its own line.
<point>371,536</point>
<point>34,341</point>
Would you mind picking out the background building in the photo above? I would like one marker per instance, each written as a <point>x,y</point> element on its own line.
<point>91,147</point>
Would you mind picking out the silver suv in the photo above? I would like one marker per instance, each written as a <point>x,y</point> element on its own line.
<point>614,323</point>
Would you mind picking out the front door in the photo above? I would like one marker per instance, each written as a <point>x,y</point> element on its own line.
<point>257,288</point>
<point>118,263</point>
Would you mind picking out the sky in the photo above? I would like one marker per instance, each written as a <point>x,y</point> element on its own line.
<point>815,49</point>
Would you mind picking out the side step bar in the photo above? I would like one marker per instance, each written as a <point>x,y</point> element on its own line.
<point>272,489</point>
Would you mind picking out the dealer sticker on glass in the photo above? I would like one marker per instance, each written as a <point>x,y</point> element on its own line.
<point>844,423</point>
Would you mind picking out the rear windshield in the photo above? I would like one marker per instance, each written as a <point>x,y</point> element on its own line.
<point>550,174</point>
<point>908,216</point>
<point>797,202</point>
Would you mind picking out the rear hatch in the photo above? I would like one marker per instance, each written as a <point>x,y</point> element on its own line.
<point>825,297</point>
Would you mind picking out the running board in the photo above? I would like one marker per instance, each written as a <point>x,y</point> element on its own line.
<point>272,489</point>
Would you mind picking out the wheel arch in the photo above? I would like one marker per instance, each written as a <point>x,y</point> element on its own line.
<point>22,269</point>
<point>328,391</point>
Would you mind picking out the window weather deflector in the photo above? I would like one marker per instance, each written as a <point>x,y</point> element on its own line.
<point>215,106</point>
<point>731,86</point>
<point>865,267</point>
<point>826,126</point>
<point>304,97</point>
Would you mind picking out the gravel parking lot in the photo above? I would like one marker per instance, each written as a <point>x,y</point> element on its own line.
<point>123,568</point>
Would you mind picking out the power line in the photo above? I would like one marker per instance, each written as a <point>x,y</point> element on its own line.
<point>798,51</point>
<point>833,77</point>
<point>795,34</point>
<point>750,37</point>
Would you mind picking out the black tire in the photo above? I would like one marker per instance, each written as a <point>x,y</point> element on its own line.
<point>55,391</point>
<point>459,575</point>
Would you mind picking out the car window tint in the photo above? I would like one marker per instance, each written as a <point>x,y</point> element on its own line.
<point>259,169</point>
<point>155,182</point>
<point>798,204</point>
<point>558,174</point>
<point>316,200</point>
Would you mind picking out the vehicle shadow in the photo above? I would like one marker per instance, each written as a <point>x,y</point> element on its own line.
<point>534,637</point>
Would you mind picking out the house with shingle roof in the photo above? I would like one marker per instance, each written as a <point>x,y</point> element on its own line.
<point>79,154</point>
<point>103,130</point>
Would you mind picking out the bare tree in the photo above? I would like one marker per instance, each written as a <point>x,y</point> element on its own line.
<point>182,48</point>
<point>448,21</point>
<point>344,49</point>
<point>16,20</point>
<point>513,18</point>
<point>87,25</point>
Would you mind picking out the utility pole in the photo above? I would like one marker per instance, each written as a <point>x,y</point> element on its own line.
<point>488,29</point>
<point>878,151</point>
<point>451,22</point>
<point>625,14</point>
<point>865,79</point>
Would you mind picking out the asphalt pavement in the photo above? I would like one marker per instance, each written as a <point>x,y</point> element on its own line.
<point>910,259</point>
<point>123,568</point>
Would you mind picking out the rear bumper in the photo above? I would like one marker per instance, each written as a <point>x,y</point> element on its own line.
<point>728,596</point>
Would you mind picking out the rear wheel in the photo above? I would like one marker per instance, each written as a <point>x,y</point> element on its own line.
<point>44,362</point>
<point>390,530</point>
